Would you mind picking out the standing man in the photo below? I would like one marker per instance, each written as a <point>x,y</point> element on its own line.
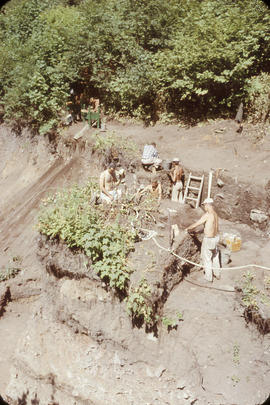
<point>108,183</point>
<point>239,118</point>
<point>209,250</point>
<point>176,174</point>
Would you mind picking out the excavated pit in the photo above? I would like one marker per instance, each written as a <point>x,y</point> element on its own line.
<point>80,332</point>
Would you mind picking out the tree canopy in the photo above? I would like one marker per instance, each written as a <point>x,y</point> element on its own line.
<point>184,59</point>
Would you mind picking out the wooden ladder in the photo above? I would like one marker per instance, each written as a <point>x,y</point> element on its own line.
<point>191,188</point>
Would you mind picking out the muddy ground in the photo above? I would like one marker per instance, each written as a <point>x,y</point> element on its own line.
<point>66,340</point>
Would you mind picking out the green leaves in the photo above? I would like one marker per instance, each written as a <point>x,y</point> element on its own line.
<point>70,217</point>
<point>139,304</point>
<point>143,58</point>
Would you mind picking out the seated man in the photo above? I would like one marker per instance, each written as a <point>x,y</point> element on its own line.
<point>108,185</point>
<point>176,174</point>
<point>150,156</point>
<point>154,188</point>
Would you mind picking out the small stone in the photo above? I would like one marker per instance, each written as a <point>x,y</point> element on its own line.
<point>258,216</point>
<point>150,336</point>
<point>181,385</point>
<point>220,183</point>
<point>186,396</point>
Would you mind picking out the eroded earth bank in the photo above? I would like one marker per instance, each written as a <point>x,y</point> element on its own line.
<point>66,338</point>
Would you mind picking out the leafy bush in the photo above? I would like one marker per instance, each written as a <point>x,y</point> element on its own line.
<point>71,217</point>
<point>143,58</point>
<point>258,97</point>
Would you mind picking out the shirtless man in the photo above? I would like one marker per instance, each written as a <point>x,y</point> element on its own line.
<point>108,183</point>
<point>176,174</point>
<point>209,250</point>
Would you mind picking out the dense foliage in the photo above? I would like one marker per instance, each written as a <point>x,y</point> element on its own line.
<point>144,58</point>
<point>70,217</point>
<point>104,233</point>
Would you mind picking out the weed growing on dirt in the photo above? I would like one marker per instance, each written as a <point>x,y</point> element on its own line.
<point>139,304</point>
<point>235,380</point>
<point>236,354</point>
<point>70,216</point>
<point>11,270</point>
<point>172,323</point>
<point>250,291</point>
<point>251,295</point>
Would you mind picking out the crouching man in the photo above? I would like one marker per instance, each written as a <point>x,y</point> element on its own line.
<point>154,189</point>
<point>209,249</point>
<point>108,185</point>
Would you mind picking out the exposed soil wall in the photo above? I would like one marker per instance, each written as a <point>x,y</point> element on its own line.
<point>78,344</point>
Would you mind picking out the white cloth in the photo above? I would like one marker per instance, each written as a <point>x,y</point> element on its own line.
<point>116,194</point>
<point>177,194</point>
<point>150,156</point>
<point>152,161</point>
<point>210,257</point>
<point>149,151</point>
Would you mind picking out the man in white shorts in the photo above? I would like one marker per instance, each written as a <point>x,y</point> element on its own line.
<point>176,174</point>
<point>108,185</point>
<point>209,249</point>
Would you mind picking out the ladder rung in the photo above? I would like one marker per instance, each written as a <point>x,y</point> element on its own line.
<point>191,198</point>
<point>195,178</point>
<point>193,188</point>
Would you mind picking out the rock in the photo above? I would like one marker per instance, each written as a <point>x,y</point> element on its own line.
<point>186,396</point>
<point>258,216</point>
<point>220,183</point>
<point>181,385</point>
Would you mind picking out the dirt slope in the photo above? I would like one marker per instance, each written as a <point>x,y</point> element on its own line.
<point>211,358</point>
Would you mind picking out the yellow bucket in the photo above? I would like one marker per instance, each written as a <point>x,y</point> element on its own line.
<point>233,242</point>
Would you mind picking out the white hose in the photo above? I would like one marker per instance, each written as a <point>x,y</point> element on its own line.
<point>214,268</point>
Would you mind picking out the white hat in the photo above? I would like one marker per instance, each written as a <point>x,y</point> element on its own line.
<point>176,160</point>
<point>208,201</point>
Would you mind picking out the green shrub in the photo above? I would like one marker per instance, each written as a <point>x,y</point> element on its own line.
<point>143,59</point>
<point>70,216</point>
<point>258,98</point>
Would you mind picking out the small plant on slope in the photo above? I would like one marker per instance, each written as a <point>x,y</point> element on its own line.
<point>139,305</point>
